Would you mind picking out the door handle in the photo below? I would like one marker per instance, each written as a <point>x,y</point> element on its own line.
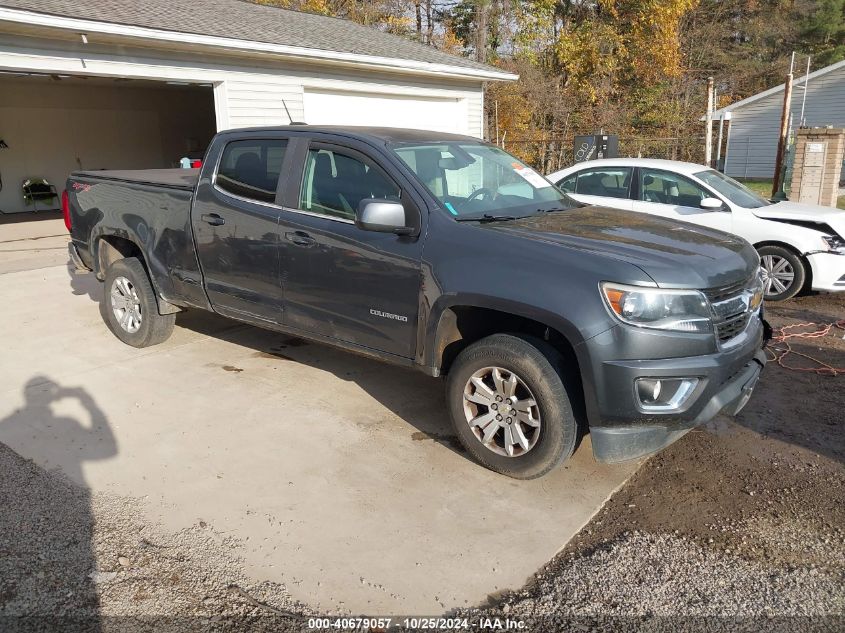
<point>300,238</point>
<point>213,219</point>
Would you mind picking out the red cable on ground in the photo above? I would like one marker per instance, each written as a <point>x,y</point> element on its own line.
<point>781,336</point>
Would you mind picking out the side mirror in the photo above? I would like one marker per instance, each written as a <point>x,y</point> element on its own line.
<point>382,216</point>
<point>712,204</point>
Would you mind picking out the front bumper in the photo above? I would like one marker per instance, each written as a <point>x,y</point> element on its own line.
<point>828,271</point>
<point>620,430</point>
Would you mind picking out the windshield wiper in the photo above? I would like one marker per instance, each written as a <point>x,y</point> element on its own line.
<point>487,217</point>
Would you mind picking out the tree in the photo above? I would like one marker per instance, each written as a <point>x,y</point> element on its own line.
<point>823,31</point>
<point>636,68</point>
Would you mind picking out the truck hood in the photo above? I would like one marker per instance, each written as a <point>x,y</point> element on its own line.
<point>673,254</point>
<point>805,214</point>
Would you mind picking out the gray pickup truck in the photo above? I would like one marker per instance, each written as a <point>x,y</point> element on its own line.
<point>440,252</point>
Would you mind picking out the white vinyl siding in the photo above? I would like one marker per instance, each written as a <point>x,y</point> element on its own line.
<point>247,91</point>
<point>755,127</point>
<point>475,114</point>
<point>253,102</point>
<point>443,114</point>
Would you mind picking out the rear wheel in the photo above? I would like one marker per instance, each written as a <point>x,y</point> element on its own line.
<point>129,306</point>
<point>783,271</point>
<point>509,405</point>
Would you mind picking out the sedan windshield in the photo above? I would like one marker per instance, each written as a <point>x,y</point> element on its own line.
<point>734,191</point>
<point>478,181</point>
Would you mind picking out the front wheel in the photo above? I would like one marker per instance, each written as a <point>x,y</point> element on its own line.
<point>783,271</point>
<point>129,306</point>
<point>509,406</point>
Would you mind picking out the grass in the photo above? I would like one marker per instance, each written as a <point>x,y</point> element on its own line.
<point>764,188</point>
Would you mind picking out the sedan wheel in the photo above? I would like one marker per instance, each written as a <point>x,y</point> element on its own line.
<point>783,272</point>
<point>777,274</point>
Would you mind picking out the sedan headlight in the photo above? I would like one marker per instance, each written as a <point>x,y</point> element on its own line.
<point>674,310</point>
<point>834,243</point>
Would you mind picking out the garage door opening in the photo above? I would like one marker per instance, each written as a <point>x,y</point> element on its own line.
<point>52,125</point>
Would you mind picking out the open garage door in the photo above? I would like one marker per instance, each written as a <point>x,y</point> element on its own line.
<point>359,108</point>
<point>55,124</point>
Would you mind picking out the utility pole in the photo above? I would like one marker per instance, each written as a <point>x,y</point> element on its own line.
<point>708,131</point>
<point>719,141</point>
<point>784,130</point>
<point>804,96</point>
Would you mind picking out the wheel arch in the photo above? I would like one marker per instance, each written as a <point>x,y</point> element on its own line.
<point>461,322</point>
<point>111,247</point>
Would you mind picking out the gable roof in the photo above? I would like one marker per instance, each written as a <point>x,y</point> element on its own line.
<point>775,90</point>
<point>248,25</point>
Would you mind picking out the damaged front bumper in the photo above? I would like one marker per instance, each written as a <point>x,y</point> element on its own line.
<point>725,382</point>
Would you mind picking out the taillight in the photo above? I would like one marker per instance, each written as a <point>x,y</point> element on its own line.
<point>196,164</point>
<point>66,209</point>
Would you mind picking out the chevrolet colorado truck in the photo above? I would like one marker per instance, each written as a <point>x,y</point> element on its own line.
<point>441,252</point>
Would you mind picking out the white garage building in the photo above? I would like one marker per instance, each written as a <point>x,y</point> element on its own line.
<point>125,84</point>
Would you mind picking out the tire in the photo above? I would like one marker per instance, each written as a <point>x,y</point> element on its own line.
<point>784,272</point>
<point>534,363</point>
<point>128,278</point>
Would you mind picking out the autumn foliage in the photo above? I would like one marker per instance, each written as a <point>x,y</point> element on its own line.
<point>636,68</point>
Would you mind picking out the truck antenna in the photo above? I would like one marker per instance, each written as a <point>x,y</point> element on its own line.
<point>290,118</point>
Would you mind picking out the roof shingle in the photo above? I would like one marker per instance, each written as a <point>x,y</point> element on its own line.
<point>244,20</point>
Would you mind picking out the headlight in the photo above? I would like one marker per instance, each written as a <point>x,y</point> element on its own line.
<point>675,310</point>
<point>834,243</point>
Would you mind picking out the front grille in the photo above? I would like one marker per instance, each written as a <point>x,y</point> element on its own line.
<point>726,292</point>
<point>730,306</point>
<point>732,327</point>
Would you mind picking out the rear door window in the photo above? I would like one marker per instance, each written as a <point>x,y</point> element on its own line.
<point>666,187</point>
<point>609,182</point>
<point>250,168</point>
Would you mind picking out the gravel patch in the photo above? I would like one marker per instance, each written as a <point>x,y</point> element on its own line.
<point>651,575</point>
<point>69,560</point>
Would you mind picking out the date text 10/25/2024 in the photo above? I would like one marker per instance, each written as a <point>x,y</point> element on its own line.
<point>418,624</point>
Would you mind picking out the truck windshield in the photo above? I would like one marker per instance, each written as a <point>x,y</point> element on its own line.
<point>734,191</point>
<point>474,180</point>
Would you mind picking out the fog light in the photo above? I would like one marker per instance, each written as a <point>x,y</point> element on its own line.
<point>664,394</point>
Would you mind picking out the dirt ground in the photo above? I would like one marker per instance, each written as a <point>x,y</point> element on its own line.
<point>777,469</point>
<point>758,501</point>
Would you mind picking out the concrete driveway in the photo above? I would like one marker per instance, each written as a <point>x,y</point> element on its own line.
<point>340,475</point>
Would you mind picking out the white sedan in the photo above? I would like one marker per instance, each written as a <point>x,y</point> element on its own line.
<point>800,245</point>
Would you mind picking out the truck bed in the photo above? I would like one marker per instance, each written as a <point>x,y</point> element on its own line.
<point>171,178</point>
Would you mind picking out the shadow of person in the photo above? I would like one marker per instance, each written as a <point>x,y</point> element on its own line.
<point>84,283</point>
<point>48,568</point>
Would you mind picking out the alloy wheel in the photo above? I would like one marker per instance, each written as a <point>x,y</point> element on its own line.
<point>778,274</point>
<point>125,304</point>
<point>501,411</point>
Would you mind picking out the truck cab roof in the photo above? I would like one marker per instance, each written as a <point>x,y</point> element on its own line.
<point>366,133</point>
